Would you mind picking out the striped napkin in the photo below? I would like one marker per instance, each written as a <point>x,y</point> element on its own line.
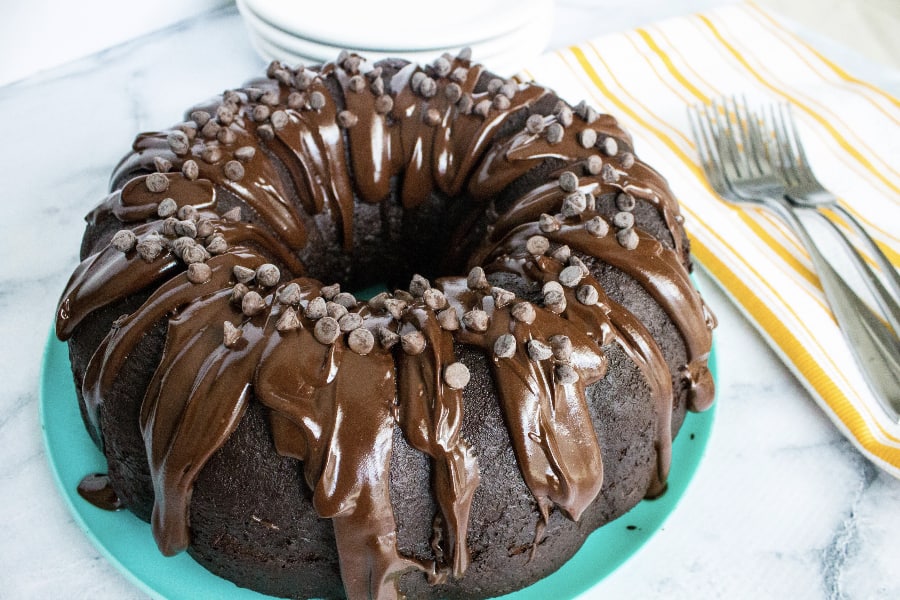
<point>647,77</point>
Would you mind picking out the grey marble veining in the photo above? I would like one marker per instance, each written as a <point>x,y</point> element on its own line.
<point>782,506</point>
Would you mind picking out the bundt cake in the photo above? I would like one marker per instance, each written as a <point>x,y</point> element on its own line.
<point>457,438</point>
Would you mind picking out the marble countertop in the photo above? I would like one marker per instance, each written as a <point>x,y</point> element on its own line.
<point>781,507</point>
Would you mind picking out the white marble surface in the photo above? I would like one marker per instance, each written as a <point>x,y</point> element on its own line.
<point>782,506</point>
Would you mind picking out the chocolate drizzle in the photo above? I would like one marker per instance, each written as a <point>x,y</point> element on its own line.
<point>286,148</point>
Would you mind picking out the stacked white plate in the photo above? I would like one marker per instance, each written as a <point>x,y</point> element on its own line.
<point>503,35</point>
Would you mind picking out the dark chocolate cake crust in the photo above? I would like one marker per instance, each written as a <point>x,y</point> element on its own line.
<point>458,437</point>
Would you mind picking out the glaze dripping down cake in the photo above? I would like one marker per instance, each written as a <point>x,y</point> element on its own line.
<point>458,437</point>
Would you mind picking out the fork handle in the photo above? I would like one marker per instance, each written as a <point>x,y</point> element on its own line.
<point>875,348</point>
<point>888,299</point>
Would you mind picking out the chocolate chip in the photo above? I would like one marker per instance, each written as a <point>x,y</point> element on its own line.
<point>587,295</point>
<point>555,133</point>
<point>178,142</point>
<point>199,272</point>
<point>252,304</point>
<point>224,115</point>
<point>561,346</point>
<point>265,132</point>
<point>442,66</point>
<point>217,245</point>
<point>233,215</point>
<point>167,208</point>
<point>226,136</point>
<point>377,86</point>
<point>609,146</point>
<point>456,375</point>
<point>350,321</point>
<point>317,100</point>
<point>347,119</point>
<point>418,286</point>
<point>428,88</point>
<point>534,124</point>
<point>279,119</point>
<point>182,243</point>
<point>537,245</point>
<point>465,104</point>
<point>623,220</point>
<point>627,160</point>
<point>335,310</point>
<point>524,312</point>
<point>162,165</point>
<point>395,307</point>
<point>245,153</point>
<point>609,174</point>
<point>190,170</point>
<point>316,309</point>
<point>271,97</point>
<point>346,299</point>
<point>435,299</point>
<point>261,112</point>
<point>387,338</point>
<point>593,164</point>
<point>149,248</point>
<point>562,254</point>
<point>587,138</point>
<point>574,261</point>
<point>211,154</point>
<point>200,117</point>
<point>476,279</point>
<point>551,286</point>
<point>231,335</point>
<point>625,201</point>
<point>234,170</point>
<point>448,319</point>
<point>243,274</point>
<point>384,104</point>
<point>290,294</point>
<point>476,320</point>
<point>573,205</point>
<point>295,100</point>
<point>157,183</point>
<point>327,330</point>
<point>124,240</point>
<point>238,292</point>
<point>361,341</point>
<point>538,350</point>
<point>453,92</point>
<point>566,374</point>
<point>357,84</point>
<point>570,276</point>
<point>194,254</point>
<point>502,297</point>
<point>505,346</point>
<point>465,54</point>
<point>288,321</point>
<point>563,114</point>
<point>268,275</point>
<point>376,302</point>
<point>627,238</point>
<point>459,74</point>
<point>483,108</point>
<point>597,227</point>
<point>432,117</point>
<point>413,342</point>
<point>568,181</point>
<point>501,102</point>
<point>548,223</point>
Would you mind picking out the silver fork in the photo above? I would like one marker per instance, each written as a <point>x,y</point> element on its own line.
<point>733,154</point>
<point>804,190</point>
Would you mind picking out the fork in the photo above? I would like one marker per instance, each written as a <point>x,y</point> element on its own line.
<point>804,190</point>
<point>742,174</point>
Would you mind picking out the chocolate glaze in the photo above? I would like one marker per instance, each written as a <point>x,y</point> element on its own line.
<point>95,489</point>
<point>331,407</point>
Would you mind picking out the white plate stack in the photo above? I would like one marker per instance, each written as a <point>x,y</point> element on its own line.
<point>503,35</point>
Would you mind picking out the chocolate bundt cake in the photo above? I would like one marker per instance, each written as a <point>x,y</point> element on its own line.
<point>457,438</point>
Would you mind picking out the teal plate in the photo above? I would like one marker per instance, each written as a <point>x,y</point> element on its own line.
<point>127,543</point>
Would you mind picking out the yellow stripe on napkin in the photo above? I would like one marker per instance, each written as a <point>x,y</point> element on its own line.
<point>647,77</point>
